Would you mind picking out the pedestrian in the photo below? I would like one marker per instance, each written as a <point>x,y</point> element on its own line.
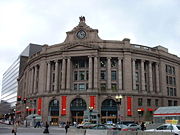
<point>14,130</point>
<point>143,126</point>
<point>66,127</point>
<point>46,130</point>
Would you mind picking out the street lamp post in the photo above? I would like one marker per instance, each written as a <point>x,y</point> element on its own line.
<point>139,113</point>
<point>27,107</point>
<point>118,101</point>
<point>90,111</point>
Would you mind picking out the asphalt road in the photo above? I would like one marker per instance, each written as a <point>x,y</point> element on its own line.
<point>6,130</point>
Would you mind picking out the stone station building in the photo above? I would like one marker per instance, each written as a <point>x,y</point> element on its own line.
<point>85,72</point>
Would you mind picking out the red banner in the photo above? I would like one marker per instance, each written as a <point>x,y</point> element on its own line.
<point>63,105</point>
<point>129,106</point>
<point>93,101</point>
<point>39,106</point>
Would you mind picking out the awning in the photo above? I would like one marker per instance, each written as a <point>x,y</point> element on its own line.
<point>140,109</point>
<point>167,111</point>
<point>150,109</point>
<point>17,112</point>
<point>31,109</point>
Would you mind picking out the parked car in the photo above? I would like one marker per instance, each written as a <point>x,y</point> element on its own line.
<point>86,125</point>
<point>166,128</point>
<point>121,126</point>
<point>133,127</point>
<point>104,126</point>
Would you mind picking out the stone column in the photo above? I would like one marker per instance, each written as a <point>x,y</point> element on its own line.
<point>109,72</point>
<point>90,73</point>
<point>150,77</point>
<point>68,82</point>
<point>127,72</point>
<point>35,78</point>
<point>157,78</point>
<point>142,76</point>
<point>56,75</point>
<point>48,76</point>
<point>134,73</point>
<point>63,74</point>
<point>32,80</point>
<point>120,73</point>
<point>95,72</point>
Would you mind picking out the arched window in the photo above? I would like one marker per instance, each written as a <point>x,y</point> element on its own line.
<point>109,105</point>
<point>78,104</point>
<point>54,108</point>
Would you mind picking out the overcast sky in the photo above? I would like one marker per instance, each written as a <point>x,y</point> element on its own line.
<point>146,22</point>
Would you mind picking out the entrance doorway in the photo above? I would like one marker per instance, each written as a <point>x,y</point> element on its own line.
<point>109,111</point>
<point>77,107</point>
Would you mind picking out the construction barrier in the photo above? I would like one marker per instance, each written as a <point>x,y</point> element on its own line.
<point>113,132</point>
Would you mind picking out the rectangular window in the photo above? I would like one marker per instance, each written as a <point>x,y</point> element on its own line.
<point>175,92</point>
<point>87,75</point>
<point>171,91</point>
<point>148,102</point>
<point>75,75</point>
<point>167,80</point>
<point>137,86</point>
<point>81,63</point>
<point>136,65</point>
<point>145,77</point>
<point>146,88</point>
<point>169,102</point>
<point>173,70</point>
<point>137,77</point>
<point>113,63</point>
<point>140,101</point>
<point>75,86</point>
<point>175,103</point>
<point>52,87</point>
<point>174,81</point>
<point>75,64</point>
<point>166,68</point>
<point>113,75</point>
<point>103,62</point>
<point>156,102</point>
<point>53,77</point>
<point>82,75</point>
<point>114,86</point>
<point>103,75</point>
<point>82,86</point>
<point>170,80</point>
<point>103,86</point>
<point>168,91</point>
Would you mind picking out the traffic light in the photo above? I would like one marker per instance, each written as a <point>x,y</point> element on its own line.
<point>24,100</point>
<point>19,98</point>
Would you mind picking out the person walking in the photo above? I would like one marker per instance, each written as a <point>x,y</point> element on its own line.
<point>66,127</point>
<point>143,126</point>
<point>14,130</point>
<point>46,130</point>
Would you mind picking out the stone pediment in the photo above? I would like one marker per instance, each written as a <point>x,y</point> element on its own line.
<point>80,46</point>
<point>82,33</point>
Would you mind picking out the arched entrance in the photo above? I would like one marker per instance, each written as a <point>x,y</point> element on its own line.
<point>54,112</point>
<point>77,107</point>
<point>109,111</point>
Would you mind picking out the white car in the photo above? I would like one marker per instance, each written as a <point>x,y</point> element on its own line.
<point>166,128</point>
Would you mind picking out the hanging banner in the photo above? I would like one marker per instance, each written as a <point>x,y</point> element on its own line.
<point>39,106</point>
<point>129,106</point>
<point>63,105</point>
<point>93,101</point>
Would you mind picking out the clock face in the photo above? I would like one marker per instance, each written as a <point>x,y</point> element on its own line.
<point>81,34</point>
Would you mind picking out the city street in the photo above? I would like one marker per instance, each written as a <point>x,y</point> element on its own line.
<point>6,130</point>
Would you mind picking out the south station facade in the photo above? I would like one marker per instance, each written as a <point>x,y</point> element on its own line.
<point>85,74</point>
